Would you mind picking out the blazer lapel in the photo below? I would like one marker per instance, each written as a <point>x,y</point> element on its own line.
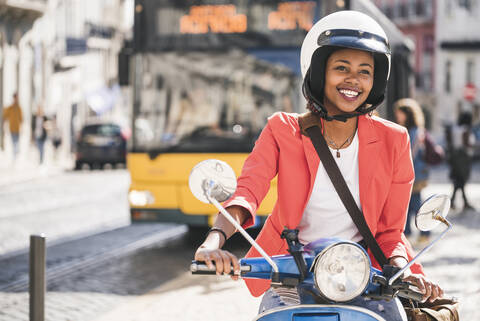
<point>368,157</point>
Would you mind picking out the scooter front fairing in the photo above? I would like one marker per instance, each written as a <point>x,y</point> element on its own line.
<point>319,312</point>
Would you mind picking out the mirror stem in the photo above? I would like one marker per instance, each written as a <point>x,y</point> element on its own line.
<point>242,230</point>
<point>402,270</point>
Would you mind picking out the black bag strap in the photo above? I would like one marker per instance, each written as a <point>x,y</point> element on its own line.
<point>309,124</point>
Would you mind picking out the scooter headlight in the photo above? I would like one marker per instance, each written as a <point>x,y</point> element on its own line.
<point>342,271</point>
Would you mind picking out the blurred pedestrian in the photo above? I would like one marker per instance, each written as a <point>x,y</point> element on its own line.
<point>39,131</point>
<point>13,114</point>
<point>408,113</point>
<point>55,134</point>
<point>460,142</point>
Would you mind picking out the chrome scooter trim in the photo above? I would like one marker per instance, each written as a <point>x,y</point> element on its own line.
<point>402,270</point>
<point>241,230</point>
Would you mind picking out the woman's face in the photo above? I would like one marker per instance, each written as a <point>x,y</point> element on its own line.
<point>400,117</point>
<point>348,80</point>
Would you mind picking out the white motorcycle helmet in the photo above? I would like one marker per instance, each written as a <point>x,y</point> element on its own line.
<point>343,29</point>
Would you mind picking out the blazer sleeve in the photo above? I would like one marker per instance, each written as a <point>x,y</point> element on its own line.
<point>259,169</point>
<point>394,214</point>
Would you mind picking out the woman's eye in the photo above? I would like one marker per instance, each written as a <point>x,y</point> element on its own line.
<point>365,72</point>
<point>341,68</point>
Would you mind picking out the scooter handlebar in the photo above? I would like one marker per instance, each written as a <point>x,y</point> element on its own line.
<point>411,293</point>
<point>199,267</point>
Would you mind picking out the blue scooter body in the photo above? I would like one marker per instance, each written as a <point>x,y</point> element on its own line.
<point>319,312</point>
<point>308,310</point>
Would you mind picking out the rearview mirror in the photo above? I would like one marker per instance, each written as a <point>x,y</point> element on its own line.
<point>212,177</point>
<point>432,212</point>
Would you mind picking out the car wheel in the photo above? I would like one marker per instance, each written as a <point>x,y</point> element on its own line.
<point>78,165</point>
<point>97,165</point>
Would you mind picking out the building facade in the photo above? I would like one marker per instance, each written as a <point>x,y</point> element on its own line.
<point>78,43</point>
<point>17,57</point>
<point>416,19</point>
<point>458,59</point>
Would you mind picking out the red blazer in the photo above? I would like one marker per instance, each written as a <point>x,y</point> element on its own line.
<point>385,177</point>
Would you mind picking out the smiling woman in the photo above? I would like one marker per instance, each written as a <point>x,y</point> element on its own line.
<point>345,72</point>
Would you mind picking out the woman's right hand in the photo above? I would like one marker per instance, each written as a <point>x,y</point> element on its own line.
<point>223,260</point>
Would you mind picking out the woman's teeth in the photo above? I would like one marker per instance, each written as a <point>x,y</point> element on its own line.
<point>349,93</point>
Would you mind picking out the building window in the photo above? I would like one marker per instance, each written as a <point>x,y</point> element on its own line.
<point>420,8</point>
<point>428,43</point>
<point>448,76</point>
<point>428,5</point>
<point>467,4</point>
<point>403,10</point>
<point>427,61</point>
<point>412,5</point>
<point>388,10</point>
<point>470,72</point>
<point>395,9</point>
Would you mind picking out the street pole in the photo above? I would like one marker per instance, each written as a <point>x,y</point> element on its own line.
<point>37,277</point>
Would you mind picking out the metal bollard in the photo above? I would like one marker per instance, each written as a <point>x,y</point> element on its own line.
<point>37,277</point>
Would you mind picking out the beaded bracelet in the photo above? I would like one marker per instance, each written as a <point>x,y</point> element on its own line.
<point>217,229</point>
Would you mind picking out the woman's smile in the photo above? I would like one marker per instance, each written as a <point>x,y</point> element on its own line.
<point>349,94</point>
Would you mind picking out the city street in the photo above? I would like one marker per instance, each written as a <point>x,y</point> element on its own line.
<point>140,272</point>
<point>106,106</point>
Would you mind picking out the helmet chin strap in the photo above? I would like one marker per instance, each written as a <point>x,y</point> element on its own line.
<point>345,116</point>
<point>342,117</point>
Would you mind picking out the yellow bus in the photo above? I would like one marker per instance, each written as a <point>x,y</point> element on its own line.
<point>205,77</point>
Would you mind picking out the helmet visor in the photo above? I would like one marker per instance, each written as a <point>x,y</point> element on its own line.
<point>354,39</point>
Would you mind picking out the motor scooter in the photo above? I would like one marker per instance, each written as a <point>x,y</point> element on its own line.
<point>328,273</point>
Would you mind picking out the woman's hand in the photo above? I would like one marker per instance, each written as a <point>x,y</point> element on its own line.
<point>223,260</point>
<point>431,291</point>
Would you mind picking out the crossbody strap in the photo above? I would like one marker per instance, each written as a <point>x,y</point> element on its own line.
<point>310,126</point>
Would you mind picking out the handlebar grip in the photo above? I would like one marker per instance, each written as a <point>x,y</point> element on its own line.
<point>199,268</point>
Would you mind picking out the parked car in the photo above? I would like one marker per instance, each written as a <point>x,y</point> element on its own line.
<point>100,144</point>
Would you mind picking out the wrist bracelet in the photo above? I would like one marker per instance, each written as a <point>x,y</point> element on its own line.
<point>217,229</point>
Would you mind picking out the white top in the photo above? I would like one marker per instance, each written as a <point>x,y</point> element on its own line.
<point>325,215</point>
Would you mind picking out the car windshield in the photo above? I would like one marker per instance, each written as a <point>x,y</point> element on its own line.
<point>102,130</point>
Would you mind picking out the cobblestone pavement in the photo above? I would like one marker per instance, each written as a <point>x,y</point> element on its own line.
<point>97,273</point>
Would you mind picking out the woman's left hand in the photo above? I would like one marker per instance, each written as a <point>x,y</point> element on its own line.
<point>431,291</point>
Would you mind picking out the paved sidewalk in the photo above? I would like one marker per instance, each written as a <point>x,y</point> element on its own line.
<point>26,167</point>
<point>190,297</point>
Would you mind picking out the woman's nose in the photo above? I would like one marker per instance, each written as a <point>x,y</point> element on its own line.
<point>352,79</point>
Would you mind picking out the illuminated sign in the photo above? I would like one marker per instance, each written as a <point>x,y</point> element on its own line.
<point>213,19</point>
<point>292,15</point>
